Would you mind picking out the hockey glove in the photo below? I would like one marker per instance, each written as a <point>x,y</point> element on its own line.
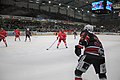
<point>78,50</point>
<point>57,38</point>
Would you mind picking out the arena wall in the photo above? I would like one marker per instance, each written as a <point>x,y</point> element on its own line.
<point>10,33</point>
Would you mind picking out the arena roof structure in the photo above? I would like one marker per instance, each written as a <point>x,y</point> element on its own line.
<point>79,9</point>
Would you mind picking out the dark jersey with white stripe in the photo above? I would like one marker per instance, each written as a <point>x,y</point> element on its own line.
<point>91,43</point>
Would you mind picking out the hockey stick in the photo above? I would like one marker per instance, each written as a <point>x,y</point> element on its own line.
<point>51,45</point>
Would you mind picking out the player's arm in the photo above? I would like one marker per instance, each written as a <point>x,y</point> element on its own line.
<point>19,32</point>
<point>58,35</point>
<point>5,33</point>
<point>81,44</point>
<point>2,36</point>
<point>65,36</point>
<point>83,39</point>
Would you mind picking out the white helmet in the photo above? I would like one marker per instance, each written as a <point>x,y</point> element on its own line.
<point>88,27</point>
<point>28,29</point>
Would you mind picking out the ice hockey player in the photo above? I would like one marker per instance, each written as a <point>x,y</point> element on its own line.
<point>3,35</point>
<point>93,54</point>
<point>28,34</point>
<point>17,34</point>
<point>75,34</point>
<point>61,37</point>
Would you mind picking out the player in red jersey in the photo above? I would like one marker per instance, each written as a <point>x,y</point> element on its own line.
<point>17,34</point>
<point>62,37</point>
<point>3,34</point>
<point>93,54</point>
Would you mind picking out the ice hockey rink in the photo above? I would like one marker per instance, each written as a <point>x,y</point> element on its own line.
<point>31,61</point>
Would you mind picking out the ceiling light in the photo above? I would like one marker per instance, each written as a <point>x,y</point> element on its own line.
<point>68,6</point>
<point>86,1</point>
<point>60,4</point>
<point>88,11</point>
<point>76,8</point>
<point>49,2</point>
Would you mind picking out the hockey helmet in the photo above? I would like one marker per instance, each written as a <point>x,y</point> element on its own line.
<point>28,29</point>
<point>88,27</point>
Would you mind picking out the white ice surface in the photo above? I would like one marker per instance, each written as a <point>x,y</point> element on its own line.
<point>31,61</point>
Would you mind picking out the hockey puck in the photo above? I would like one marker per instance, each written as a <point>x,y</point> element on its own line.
<point>46,49</point>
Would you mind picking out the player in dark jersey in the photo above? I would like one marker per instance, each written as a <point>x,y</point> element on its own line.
<point>75,34</point>
<point>28,34</point>
<point>93,54</point>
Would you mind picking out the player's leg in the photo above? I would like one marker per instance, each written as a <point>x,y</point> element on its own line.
<point>19,38</point>
<point>4,40</point>
<point>65,43</point>
<point>59,41</point>
<point>100,68</point>
<point>15,38</point>
<point>102,74</point>
<point>29,37</point>
<point>81,68</point>
<point>78,74</point>
<point>26,38</point>
<point>74,36</point>
<point>0,39</point>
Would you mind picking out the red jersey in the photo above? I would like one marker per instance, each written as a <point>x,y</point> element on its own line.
<point>61,35</point>
<point>3,34</point>
<point>17,32</point>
